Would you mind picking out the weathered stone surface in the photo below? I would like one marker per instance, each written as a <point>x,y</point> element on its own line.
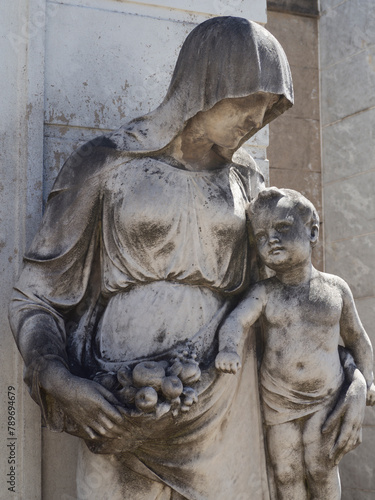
<point>356,494</point>
<point>347,29</point>
<point>308,183</point>
<point>349,146</point>
<point>21,144</point>
<point>357,469</point>
<point>351,207</point>
<point>347,84</point>
<point>298,35</point>
<point>306,95</point>
<point>358,255</point>
<point>366,310</point>
<point>242,8</point>
<point>300,135</point>
<point>81,87</point>
<point>300,7</point>
<point>60,452</point>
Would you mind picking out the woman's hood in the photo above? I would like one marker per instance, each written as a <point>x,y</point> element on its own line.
<point>224,57</point>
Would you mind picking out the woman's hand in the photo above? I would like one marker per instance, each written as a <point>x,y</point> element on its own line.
<point>89,405</point>
<point>370,400</point>
<point>346,419</point>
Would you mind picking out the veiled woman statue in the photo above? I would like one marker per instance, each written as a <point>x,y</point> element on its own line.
<point>143,250</point>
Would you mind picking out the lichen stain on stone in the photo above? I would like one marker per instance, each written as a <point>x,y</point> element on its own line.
<point>60,118</point>
<point>58,159</point>
<point>161,336</point>
<point>63,131</point>
<point>29,109</point>
<point>99,115</point>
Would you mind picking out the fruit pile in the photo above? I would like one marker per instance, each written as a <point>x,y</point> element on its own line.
<point>154,386</point>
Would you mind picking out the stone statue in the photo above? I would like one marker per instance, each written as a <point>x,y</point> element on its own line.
<point>304,312</point>
<point>142,252</point>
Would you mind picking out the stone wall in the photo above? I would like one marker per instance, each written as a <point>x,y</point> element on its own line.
<point>73,70</point>
<point>347,48</point>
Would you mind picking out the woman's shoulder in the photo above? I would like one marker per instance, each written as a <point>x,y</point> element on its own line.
<point>249,171</point>
<point>92,159</point>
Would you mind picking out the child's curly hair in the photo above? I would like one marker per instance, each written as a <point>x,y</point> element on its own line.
<point>304,206</point>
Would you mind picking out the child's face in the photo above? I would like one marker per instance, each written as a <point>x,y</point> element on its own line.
<point>283,239</point>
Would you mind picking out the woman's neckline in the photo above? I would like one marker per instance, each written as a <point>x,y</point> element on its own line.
<point>170,161</point>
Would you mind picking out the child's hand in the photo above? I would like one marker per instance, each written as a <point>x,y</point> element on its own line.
<point>370,398</point>
<point>228,362</point>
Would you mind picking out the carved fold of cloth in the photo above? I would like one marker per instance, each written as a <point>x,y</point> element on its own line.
<point>139,256</point>
<point>282,403</point>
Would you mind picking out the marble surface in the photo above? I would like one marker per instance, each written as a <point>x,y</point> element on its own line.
<point>348,78</point>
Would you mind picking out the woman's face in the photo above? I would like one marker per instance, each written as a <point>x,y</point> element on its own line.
<point>230,120</point>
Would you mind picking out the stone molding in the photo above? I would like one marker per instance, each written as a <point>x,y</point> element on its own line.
<point>309,8</point>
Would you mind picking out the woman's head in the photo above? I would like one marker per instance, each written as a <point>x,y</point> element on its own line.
<point>223,58</point>
<point>228,57</point>
<point>231,120</point>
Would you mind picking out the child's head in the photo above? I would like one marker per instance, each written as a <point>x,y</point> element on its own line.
<point>285,225</point>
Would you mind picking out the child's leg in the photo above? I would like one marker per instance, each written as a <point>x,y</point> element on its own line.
<point>285,450</point>
<point>323,478</point>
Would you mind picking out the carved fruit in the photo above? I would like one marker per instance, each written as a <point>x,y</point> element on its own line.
<point>107,380</point>
<point>190,372</point>
<point>176,402</point>
<point>127,394</point>
<point>190,394</point>
<point>146,399</point>
<point>124,376</point>
<point>176,368</point>
<point>164,363</point>
<point>162,409</point>
<point>171,387</point>
<point>148,373</point>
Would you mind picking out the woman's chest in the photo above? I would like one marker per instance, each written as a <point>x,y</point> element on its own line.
<point>150,202</point>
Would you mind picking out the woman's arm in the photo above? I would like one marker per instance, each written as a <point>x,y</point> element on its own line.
<point>348,414</point>
<point>55,279</point>
<point>354,335</point>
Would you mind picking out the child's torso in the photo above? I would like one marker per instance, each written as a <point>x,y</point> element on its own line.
<point>302,330</point>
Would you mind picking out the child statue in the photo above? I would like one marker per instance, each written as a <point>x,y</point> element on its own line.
<point>303,313</point>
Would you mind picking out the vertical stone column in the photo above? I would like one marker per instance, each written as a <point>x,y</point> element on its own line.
<point>21,178</point>
<point>347,48</point>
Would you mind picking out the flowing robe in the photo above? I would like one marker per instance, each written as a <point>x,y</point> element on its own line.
<point>151,255</point>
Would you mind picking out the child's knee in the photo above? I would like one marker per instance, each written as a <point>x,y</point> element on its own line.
<point>320,472</point>
<point>288,473</point>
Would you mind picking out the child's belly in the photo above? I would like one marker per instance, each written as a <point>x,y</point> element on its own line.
<point>308,372</point>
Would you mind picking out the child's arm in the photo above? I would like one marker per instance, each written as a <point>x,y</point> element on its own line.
<point>356,340</point>
<point>235,325</point>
